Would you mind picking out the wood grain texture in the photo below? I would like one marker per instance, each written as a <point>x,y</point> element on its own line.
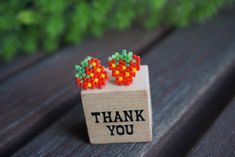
<point>115,127</point>
<point>186,69</point>
<point>219,140</point>
<point>33,99</point>
<point>18,64</point>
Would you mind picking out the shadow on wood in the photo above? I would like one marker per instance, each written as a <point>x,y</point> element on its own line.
<point>79,131</point>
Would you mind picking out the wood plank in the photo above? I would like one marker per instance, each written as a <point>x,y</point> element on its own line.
<point>219,140</point>
<point>187,69</point>
<point>33,99</point>
<point>18,64</point>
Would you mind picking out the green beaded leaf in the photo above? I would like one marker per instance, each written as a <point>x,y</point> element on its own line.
<point>80,70</point>
<point>124,55</point>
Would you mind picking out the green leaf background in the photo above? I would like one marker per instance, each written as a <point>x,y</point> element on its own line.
<point>27,26</point>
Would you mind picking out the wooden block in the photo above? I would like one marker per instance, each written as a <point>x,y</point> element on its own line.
<point>117,114</point>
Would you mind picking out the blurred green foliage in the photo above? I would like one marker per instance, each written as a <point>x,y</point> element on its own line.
<point>27,26</point>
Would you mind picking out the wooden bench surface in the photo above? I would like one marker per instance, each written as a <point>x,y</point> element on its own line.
<point>191,75</point>
<point>46,90</point>
<point>219,140</point>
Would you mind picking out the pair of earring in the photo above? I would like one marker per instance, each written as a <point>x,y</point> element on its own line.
<point>91,74</point>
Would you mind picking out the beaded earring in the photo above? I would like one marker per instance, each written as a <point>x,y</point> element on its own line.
<point>124,67</point>
<point>91,74</point>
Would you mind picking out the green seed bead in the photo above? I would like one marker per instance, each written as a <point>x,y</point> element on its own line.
<point>77,75</point>
<point>124,51</point>
<point>77,67</point>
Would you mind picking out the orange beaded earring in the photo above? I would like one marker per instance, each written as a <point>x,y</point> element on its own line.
<point>124,67</point>
<point>91,74</point>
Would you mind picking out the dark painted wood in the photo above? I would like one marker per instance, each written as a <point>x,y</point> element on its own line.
<point>18,64</point>
<point>187,71</point>
<point>195,121</point>
<point>34,98</point>
<point>219,140</point>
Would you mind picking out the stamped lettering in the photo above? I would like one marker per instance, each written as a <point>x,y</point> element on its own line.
<point>119,117</point>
